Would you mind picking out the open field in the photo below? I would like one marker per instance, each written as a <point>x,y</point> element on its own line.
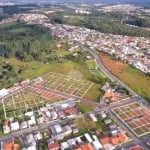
<point>29,98</point>
<point>134,78</point>
<point>35,69</point>
<point>38,94</point>
<point>67,84</point>
<point>135,116</point>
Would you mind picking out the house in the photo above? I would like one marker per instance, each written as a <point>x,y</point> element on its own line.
<point>67,130</point>
<point>97,145</point>
<point>57,132</point>
<point>40,120</point>
<point>3,92</point>
<point>112,126</point>
<point>48,114</point>
<point>29,114</point>
<point>74,128</point>
<point>88,137</point>
<point>93,117</point>
<point>6,127</point>
<point>30,147</point>
<point>24,125</point>
<point>103,114</point>
<point>115,140</point>
<point>64,146</point>
<point>70,111</point>
<point>14,126</point>
<point>109,147</point>
<point>114,132</point>
<point>38,136</point>
<point>54,115</point>
<point>123,137</point>
<point>30,140</point>
<point>54,146</point>
<point>137,147</point>
<point>32,121</point>
<point>87,146</point>
<point>105,140</point>
<point>9,145</point>
<point>61,114</point>
<point>107,121</point>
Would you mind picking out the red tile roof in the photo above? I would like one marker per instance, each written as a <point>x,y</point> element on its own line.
<point>105,140</point>
<point>11,146</point>
<point>115,140</point>
<point>6,123</point>
<point>87,146</point>
<point>53,146</point>
<point>136,148</point>
<point>71,111</point>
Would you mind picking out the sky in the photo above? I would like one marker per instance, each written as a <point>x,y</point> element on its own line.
<point>91,1</point>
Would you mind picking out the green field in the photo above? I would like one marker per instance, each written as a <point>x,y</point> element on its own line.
<point>137,80</point>
<point>133,77</point>
<point>35,69</point>
<point>32,52</point>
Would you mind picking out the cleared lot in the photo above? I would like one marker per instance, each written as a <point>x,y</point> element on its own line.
<point>135,116</point>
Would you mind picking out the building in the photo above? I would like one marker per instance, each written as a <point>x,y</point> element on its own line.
<point>97,145</point>
<point>53,146</point>
<point>9,145</point>
<point>64,146</point>
<point>57,132</point>
<point>6,127</point>
<point>24,125</point>
<point>32,121</point>
<point>3,92</point>
<point>107,121</point>
<point>87,146</point>
<point>93,117</point>
<point>30,141</point>
<point>14,126</point>
<point>38,136</point>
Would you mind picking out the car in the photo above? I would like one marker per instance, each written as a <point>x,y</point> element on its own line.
<point>148,143</point>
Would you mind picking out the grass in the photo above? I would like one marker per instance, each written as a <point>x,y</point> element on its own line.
<point>35,69</point>
<point>133,77</point>
<point>91,64</point>
<point>94,92</point>
<point>83,108</point>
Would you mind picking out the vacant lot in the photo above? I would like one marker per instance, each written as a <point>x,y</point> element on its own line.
<point>135,116</point>
<point>137,80</point>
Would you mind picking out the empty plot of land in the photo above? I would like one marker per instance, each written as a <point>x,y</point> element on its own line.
<point>135,116</point>
<point>29,98</point>
<point>66,84</point>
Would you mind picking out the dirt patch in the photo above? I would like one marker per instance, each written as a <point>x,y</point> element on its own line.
<point>113,65</point>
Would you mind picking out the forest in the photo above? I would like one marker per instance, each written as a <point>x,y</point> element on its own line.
<point>25,43</point>
<point>108,24</point>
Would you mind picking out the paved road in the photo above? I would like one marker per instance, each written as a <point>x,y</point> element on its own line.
<point>113,77</point>
<point>93,104</point>
<point>134,95</point>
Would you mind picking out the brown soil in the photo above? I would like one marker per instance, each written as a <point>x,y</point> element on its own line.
<point>113,65</point>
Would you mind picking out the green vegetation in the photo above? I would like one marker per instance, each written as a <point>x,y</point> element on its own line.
<point>83,107</point>
<point>28,51</point>
<point>100,124</point>
<point>137,80</point>
<point>139,21</point>
<point>100,22</point>
<point>133,77</point>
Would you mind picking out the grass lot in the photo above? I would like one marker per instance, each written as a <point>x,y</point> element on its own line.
<point>91,64</point>
<point>94,92</point>
<point>35,69</point>
<point>83,108</point>
<point>137,80</point>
